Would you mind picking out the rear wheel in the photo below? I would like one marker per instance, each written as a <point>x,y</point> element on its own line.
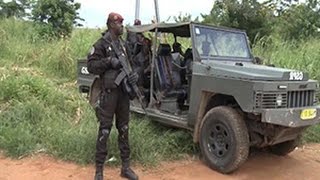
<point>285,148</point>
<point>224,139</point>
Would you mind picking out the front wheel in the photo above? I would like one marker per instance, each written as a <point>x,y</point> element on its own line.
<point>224,139</point>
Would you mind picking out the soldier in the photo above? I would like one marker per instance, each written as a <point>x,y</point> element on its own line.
<point>103,61</point>
<point>177,51</point>
<point>134,41</point>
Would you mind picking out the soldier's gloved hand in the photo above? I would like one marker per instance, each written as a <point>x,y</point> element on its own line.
<point>133,78</point>
<point>115,63</point>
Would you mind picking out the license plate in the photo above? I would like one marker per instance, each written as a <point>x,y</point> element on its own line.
<point>308,114</point>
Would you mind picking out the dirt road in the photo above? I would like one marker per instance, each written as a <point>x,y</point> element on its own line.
<point>302,164</point>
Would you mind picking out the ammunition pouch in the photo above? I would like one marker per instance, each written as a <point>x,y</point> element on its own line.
<point>99,85</point>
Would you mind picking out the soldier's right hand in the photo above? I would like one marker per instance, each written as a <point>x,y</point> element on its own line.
<point>115,63</point>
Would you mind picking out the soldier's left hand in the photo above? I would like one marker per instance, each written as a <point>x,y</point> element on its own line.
<point>133,78</point>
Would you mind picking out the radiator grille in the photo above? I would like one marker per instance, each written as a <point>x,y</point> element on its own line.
<point>268,100</point>
<point>300,98</point>
<point>291,99</point>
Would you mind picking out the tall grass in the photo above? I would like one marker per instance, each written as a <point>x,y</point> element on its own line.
<point>303,55</point>
<point>42,111</point>
<point>39,115</point>
<point>21,46</point>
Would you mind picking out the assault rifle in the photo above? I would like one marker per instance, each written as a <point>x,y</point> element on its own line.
<point>132,89</point>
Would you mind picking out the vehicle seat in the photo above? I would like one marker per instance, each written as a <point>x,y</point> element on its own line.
<point>169,81</point>
<point>164,67</point>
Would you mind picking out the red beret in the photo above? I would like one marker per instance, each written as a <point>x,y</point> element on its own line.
<point>115,17</point>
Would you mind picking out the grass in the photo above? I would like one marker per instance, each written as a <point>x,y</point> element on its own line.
<point>42,111</point>
<point>303,56</point>
<point>37,115</point>
<point>312,134</point>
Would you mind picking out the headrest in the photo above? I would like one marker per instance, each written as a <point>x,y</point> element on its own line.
<point>164,49</point>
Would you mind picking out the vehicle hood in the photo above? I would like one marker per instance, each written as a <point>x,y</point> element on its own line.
<point>250,71</point>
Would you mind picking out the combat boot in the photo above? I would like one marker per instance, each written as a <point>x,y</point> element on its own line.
<point>99,172</point>
<point>128,173</point>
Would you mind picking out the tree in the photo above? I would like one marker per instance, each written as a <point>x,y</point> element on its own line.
<point>279,6</point>
<point>300,21</point>
<point>184,18</point>
<point>56,17</point>
<point>14,8</point>
<point>248,15</point>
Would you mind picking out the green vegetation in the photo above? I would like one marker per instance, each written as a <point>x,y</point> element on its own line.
<point>303,55</point>
<point>312,134</point>
<point>41,109</point>
<point>53,18</point>
<point>288,19</point>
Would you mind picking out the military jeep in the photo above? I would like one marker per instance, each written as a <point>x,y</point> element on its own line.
<point>218,91</point>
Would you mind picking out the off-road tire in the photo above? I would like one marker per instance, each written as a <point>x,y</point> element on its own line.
<point>224,133</point>
<point>285,148</point>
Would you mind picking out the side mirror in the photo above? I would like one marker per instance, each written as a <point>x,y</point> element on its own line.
<point>257,60</point>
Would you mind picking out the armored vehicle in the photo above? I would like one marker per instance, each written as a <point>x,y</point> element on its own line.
<point>218,91</point>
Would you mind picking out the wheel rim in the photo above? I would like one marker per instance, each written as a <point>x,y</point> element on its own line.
<point>219,140</point>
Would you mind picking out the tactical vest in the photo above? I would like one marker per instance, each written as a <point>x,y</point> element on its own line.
<point>111,74</point>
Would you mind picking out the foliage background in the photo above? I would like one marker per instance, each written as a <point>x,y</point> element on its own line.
<point>42,111</point>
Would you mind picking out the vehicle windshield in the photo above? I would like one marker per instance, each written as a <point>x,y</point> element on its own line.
<point>221,43</point>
